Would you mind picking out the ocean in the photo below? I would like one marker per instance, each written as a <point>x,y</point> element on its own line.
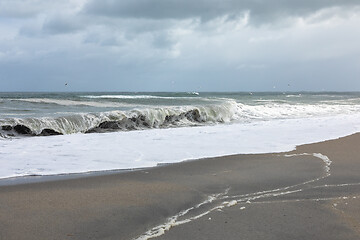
<point>79,132</point>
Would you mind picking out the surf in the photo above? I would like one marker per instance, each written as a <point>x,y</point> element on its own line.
<point>226,111</point>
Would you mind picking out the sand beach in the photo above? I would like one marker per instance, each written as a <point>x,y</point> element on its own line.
<point>310,193</point>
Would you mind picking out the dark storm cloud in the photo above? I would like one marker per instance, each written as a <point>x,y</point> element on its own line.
<point>27,8</point>
<point>261,11</point>
<point>205,45</point>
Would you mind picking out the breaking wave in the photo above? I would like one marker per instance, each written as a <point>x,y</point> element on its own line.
<point>166,117</point>
<point>120,120</point>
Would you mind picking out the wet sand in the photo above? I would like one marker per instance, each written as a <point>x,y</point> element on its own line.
<point>295,195</point>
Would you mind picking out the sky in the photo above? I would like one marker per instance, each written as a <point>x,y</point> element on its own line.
<point>180,45</point>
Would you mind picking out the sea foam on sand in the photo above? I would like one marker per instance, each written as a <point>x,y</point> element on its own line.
<point>78,153</point>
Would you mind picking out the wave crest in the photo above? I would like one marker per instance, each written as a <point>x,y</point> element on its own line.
<point>119,120</point>
<point>167,117</point>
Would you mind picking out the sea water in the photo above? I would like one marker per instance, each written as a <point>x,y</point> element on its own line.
<point>60,133</point>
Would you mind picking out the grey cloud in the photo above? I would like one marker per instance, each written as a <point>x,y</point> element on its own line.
<point>18,9</point>
<point>116,32</point>
<point>145,45</point>
<point>162,40</point>
<point>15,13</point>
<point>51,26</point>
<point>28,8</point>
<point>92,39</point>
<point>150,9</point>
<point>97,39</point>
<point>30,30</point>
<point>148,25</point>
<point>112,41</point>
<point>62,25</point>
<point>261,12</point>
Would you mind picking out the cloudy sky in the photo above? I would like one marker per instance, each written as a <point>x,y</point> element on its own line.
<point>180,45</point>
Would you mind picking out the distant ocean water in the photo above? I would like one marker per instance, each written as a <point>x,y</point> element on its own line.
<point>104,131</point>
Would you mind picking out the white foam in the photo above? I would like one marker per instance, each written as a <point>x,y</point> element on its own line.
<point>136,149</point>
<point>174,220</point>
<point>228,111</point>
<point>324,158</point>
<point>134,97</point>
<point>231,203</point>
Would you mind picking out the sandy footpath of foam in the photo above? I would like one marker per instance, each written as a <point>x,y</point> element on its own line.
<point>310,193</point>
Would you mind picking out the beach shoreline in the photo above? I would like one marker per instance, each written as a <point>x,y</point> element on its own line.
<point>315,186</point>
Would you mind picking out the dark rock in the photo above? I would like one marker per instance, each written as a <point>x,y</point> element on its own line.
<point>106,126</point>
<point>125,124</point>
<point>98,130</point>
<point>194,116</point>
<point>109,125</point>
<point>91,130</point>
<point>6,128</point>
<point>172,118</point>
<point>142,118</point>
<point>141,121</point>
<point>21,129</point>
<point>49,132</point>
